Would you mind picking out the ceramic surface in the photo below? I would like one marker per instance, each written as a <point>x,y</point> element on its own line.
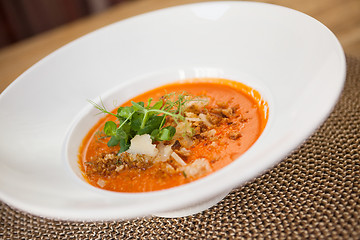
<point>294,61</point>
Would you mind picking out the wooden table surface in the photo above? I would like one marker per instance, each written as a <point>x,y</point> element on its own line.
<point>342,17</point>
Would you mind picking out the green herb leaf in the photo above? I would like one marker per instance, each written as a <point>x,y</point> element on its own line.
<point>166,133</point>
<point>138,119</point>
<point>151,124</point>
<point>110,128</point>
<point>113,141</point>
<point>125,112</point>
<point>157,105</point>
<point>137,106</point>
<point>149,102</point>
<point>154,134</point>
<point>124,145</point>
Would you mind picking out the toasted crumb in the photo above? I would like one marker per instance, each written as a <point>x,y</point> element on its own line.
<point>234,135</point>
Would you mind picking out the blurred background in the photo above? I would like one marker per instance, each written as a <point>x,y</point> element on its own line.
<point>20,19</point>
<point>31,29</point>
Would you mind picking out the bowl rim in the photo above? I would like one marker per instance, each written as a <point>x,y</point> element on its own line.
<point>109,214</point>
<point>109,95</point>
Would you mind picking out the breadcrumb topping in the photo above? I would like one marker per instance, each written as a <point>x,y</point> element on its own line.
<point>199,126</point>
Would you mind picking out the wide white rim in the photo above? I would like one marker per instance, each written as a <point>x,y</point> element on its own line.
<point>204,188</point>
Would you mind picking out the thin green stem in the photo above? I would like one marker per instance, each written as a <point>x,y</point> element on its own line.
<point>146,114</point>
<point>167,113</point>
<point>122,124</point>
<point>101,108</point>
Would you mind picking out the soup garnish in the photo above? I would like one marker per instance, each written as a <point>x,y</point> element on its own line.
<point>141,118</point>
<point>172,135</point>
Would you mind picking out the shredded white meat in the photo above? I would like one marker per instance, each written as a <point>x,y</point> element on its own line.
<point>172,155</point>
<point>205,120</point>
<point>193,119</point>
<point>101,183</point>
<point>197,168</point>
<point>164,153</point>
<point>169,168</point>
<point>196,104</point>
<point>178,159</point>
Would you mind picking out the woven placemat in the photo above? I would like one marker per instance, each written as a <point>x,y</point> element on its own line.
<point>313,193</point>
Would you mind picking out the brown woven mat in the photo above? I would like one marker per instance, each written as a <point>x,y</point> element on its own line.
<point>313,193</point>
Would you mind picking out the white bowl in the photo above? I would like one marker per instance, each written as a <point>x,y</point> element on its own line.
<point>294,61</point>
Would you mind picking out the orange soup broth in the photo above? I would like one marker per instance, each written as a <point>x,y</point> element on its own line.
<point>250,105</point>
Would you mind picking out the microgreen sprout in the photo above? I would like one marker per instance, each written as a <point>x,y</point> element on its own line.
<point>139,119</point>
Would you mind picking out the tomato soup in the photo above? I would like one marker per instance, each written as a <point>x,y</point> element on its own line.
<point>218,124</point>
